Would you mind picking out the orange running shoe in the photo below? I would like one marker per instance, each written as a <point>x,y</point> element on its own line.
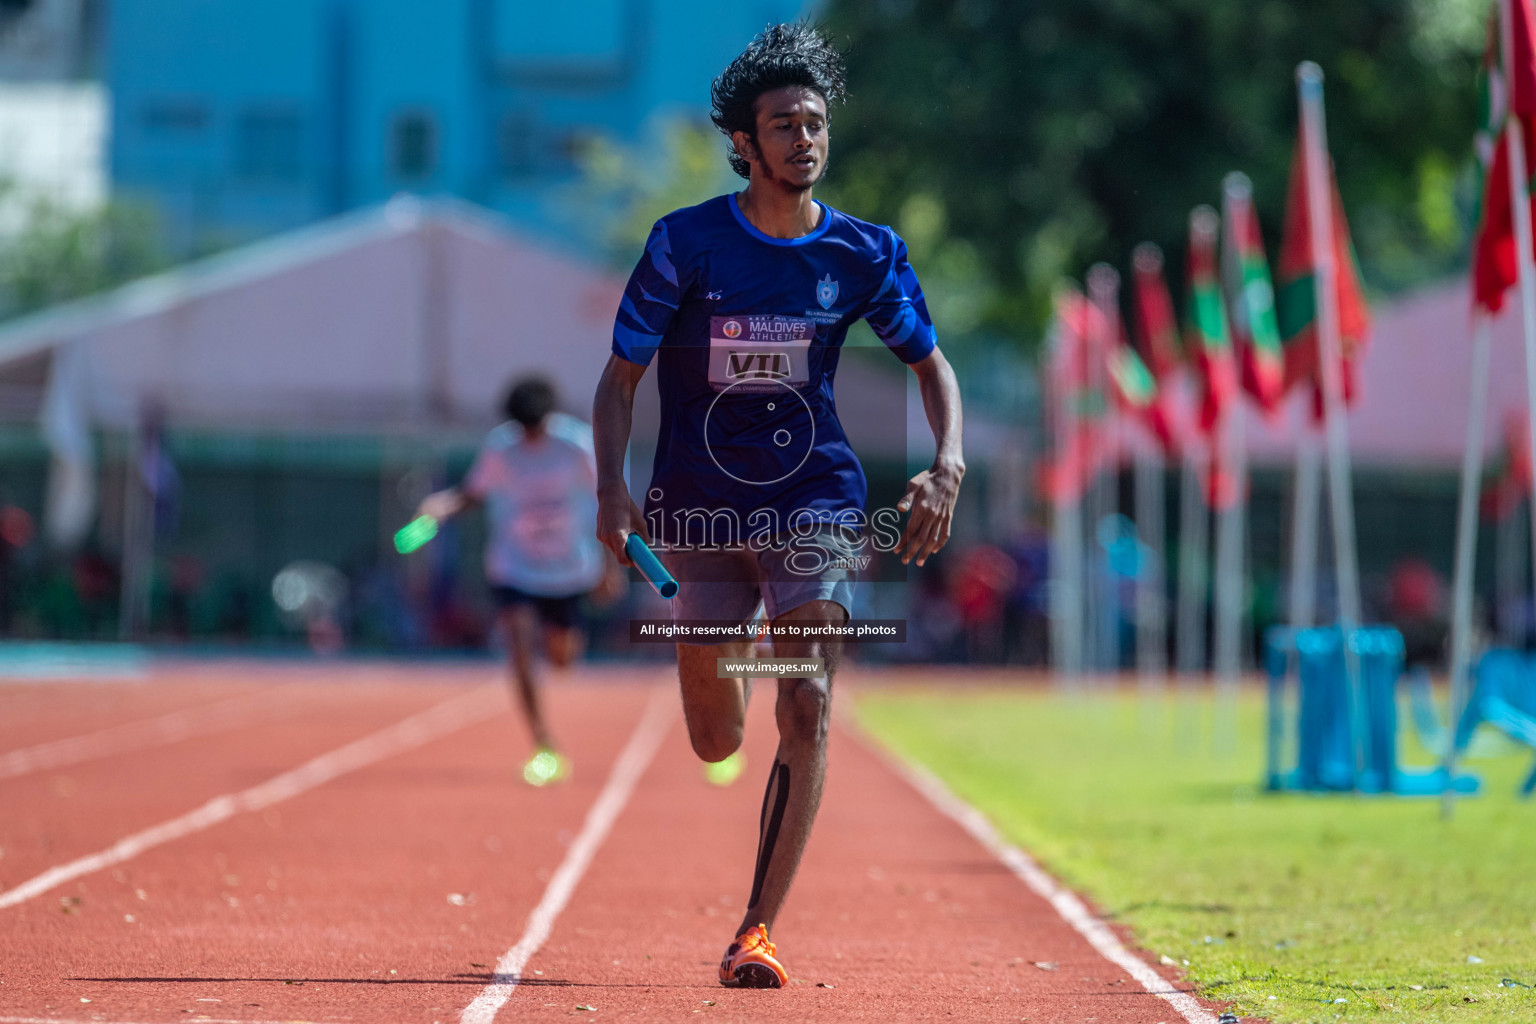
<point>752,961</point>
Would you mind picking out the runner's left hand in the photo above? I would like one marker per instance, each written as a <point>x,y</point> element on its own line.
<point>930,497</point>
<point>612,586</point>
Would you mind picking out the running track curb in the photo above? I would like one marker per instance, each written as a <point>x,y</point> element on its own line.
<point>1066,903</point>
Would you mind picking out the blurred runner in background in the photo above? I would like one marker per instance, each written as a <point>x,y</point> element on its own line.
<point>537,477</point>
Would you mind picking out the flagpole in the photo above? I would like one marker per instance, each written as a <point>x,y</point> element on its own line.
<point>138,553</point>
<point>1210,328</point>
<point>1151,629</point>
<point>1229,576</point>
<point>1230,570</point>
<point>1093,500</point>
<point>1193,539</point>
<point>1302,600</point>
<point>1520,200</point>
<point>1466,554</point>
<point>1066,594</point>
<point>1508,580</point>
<point>1151,589</point>
<point>1309,80</point>
<point>1104,294</point>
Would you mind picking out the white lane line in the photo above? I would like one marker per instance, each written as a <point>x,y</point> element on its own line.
<point>220,716</point>
<point>626,771</point>
<point>1071,909</point>
<point>437,721</point>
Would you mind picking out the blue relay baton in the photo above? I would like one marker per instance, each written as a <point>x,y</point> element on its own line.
<point>649,565</point>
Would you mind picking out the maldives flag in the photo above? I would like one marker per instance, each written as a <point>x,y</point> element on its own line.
<point>1136,388</point>
<point>1079,457</point>
<point>1511,482</point>
<point>1297,300</point>
<point>1086,334</point>
<point>1493,247</point>
<point>1159,333</point>
<point>1081,408</point>
<point>1205,332</point>
<point>1132,382</point>
<point>1254,329</point>
<point>1155,322</point>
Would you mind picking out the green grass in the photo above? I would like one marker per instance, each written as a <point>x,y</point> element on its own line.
<point>1283,904</point>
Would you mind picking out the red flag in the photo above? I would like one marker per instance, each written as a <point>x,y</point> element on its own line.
<point>1206,331</point>
<point>1094,336</point>
<point>1297,300</point>
<point>1255,333</point>
<point>1502,91</point>
<point>1078,460</point>
<point>1159,334</point>
<point>1080,408</point>
<point>1511,483</point>
<point>1493,247</point>
<point>1221,484</point>
<point>1155,321</point>
<point>1521,75</point>
<point>1517,445</point>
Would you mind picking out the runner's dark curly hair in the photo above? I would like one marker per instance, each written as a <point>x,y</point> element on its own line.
<point>786,54</point>
<point>529,401</point>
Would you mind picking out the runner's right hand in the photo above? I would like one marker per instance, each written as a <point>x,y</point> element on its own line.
<point>617,517</point>
<point>441,505</point>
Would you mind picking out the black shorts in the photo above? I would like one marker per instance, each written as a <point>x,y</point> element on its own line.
<point>561,612</point>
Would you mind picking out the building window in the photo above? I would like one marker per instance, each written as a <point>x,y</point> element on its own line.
<point>519,142</point>
<point>574,146</point>
<point>413,146</point>
<point>269,144</point>
<point>175,116</point>
<point>12,11</point>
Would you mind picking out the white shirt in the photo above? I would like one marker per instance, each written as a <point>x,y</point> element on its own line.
<point>541,505</point>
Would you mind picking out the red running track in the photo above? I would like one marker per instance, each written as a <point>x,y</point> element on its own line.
<point>389,892</point>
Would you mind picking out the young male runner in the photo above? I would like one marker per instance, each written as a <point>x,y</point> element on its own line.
<point>744,302</point>
<point>537,477</point>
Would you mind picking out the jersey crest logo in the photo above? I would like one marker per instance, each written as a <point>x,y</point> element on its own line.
<point>732,329</point>
<point>826,291</point>
<point>758,365</point>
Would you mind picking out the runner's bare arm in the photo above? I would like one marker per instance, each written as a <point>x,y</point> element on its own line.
<point>612,417</point>
<point>446,504</point>
<point>931,495</point>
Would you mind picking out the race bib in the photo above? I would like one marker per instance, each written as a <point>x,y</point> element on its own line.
<point>544,532</point>
<point>752,353</point>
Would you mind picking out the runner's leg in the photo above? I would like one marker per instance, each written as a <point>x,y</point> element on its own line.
<point>794,783</point>
<point>714,708</point>
<point>520,625</point>
<point>563,645</point>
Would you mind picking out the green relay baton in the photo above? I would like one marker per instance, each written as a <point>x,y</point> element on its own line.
<point>650,566</point>
<point>414,534</point>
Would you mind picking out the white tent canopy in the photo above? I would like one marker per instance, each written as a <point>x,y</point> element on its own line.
<point>414,314</point>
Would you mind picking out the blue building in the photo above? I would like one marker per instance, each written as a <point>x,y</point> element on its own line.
<point>239,119</point>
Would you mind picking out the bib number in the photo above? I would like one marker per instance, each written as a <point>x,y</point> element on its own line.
<point>753,353</point>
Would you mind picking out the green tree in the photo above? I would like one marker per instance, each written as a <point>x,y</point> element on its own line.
<point>1020,142</point>
<point>625,192</point>
<point>58,253</point>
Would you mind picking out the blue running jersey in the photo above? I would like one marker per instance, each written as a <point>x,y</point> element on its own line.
<point>748,329</point>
